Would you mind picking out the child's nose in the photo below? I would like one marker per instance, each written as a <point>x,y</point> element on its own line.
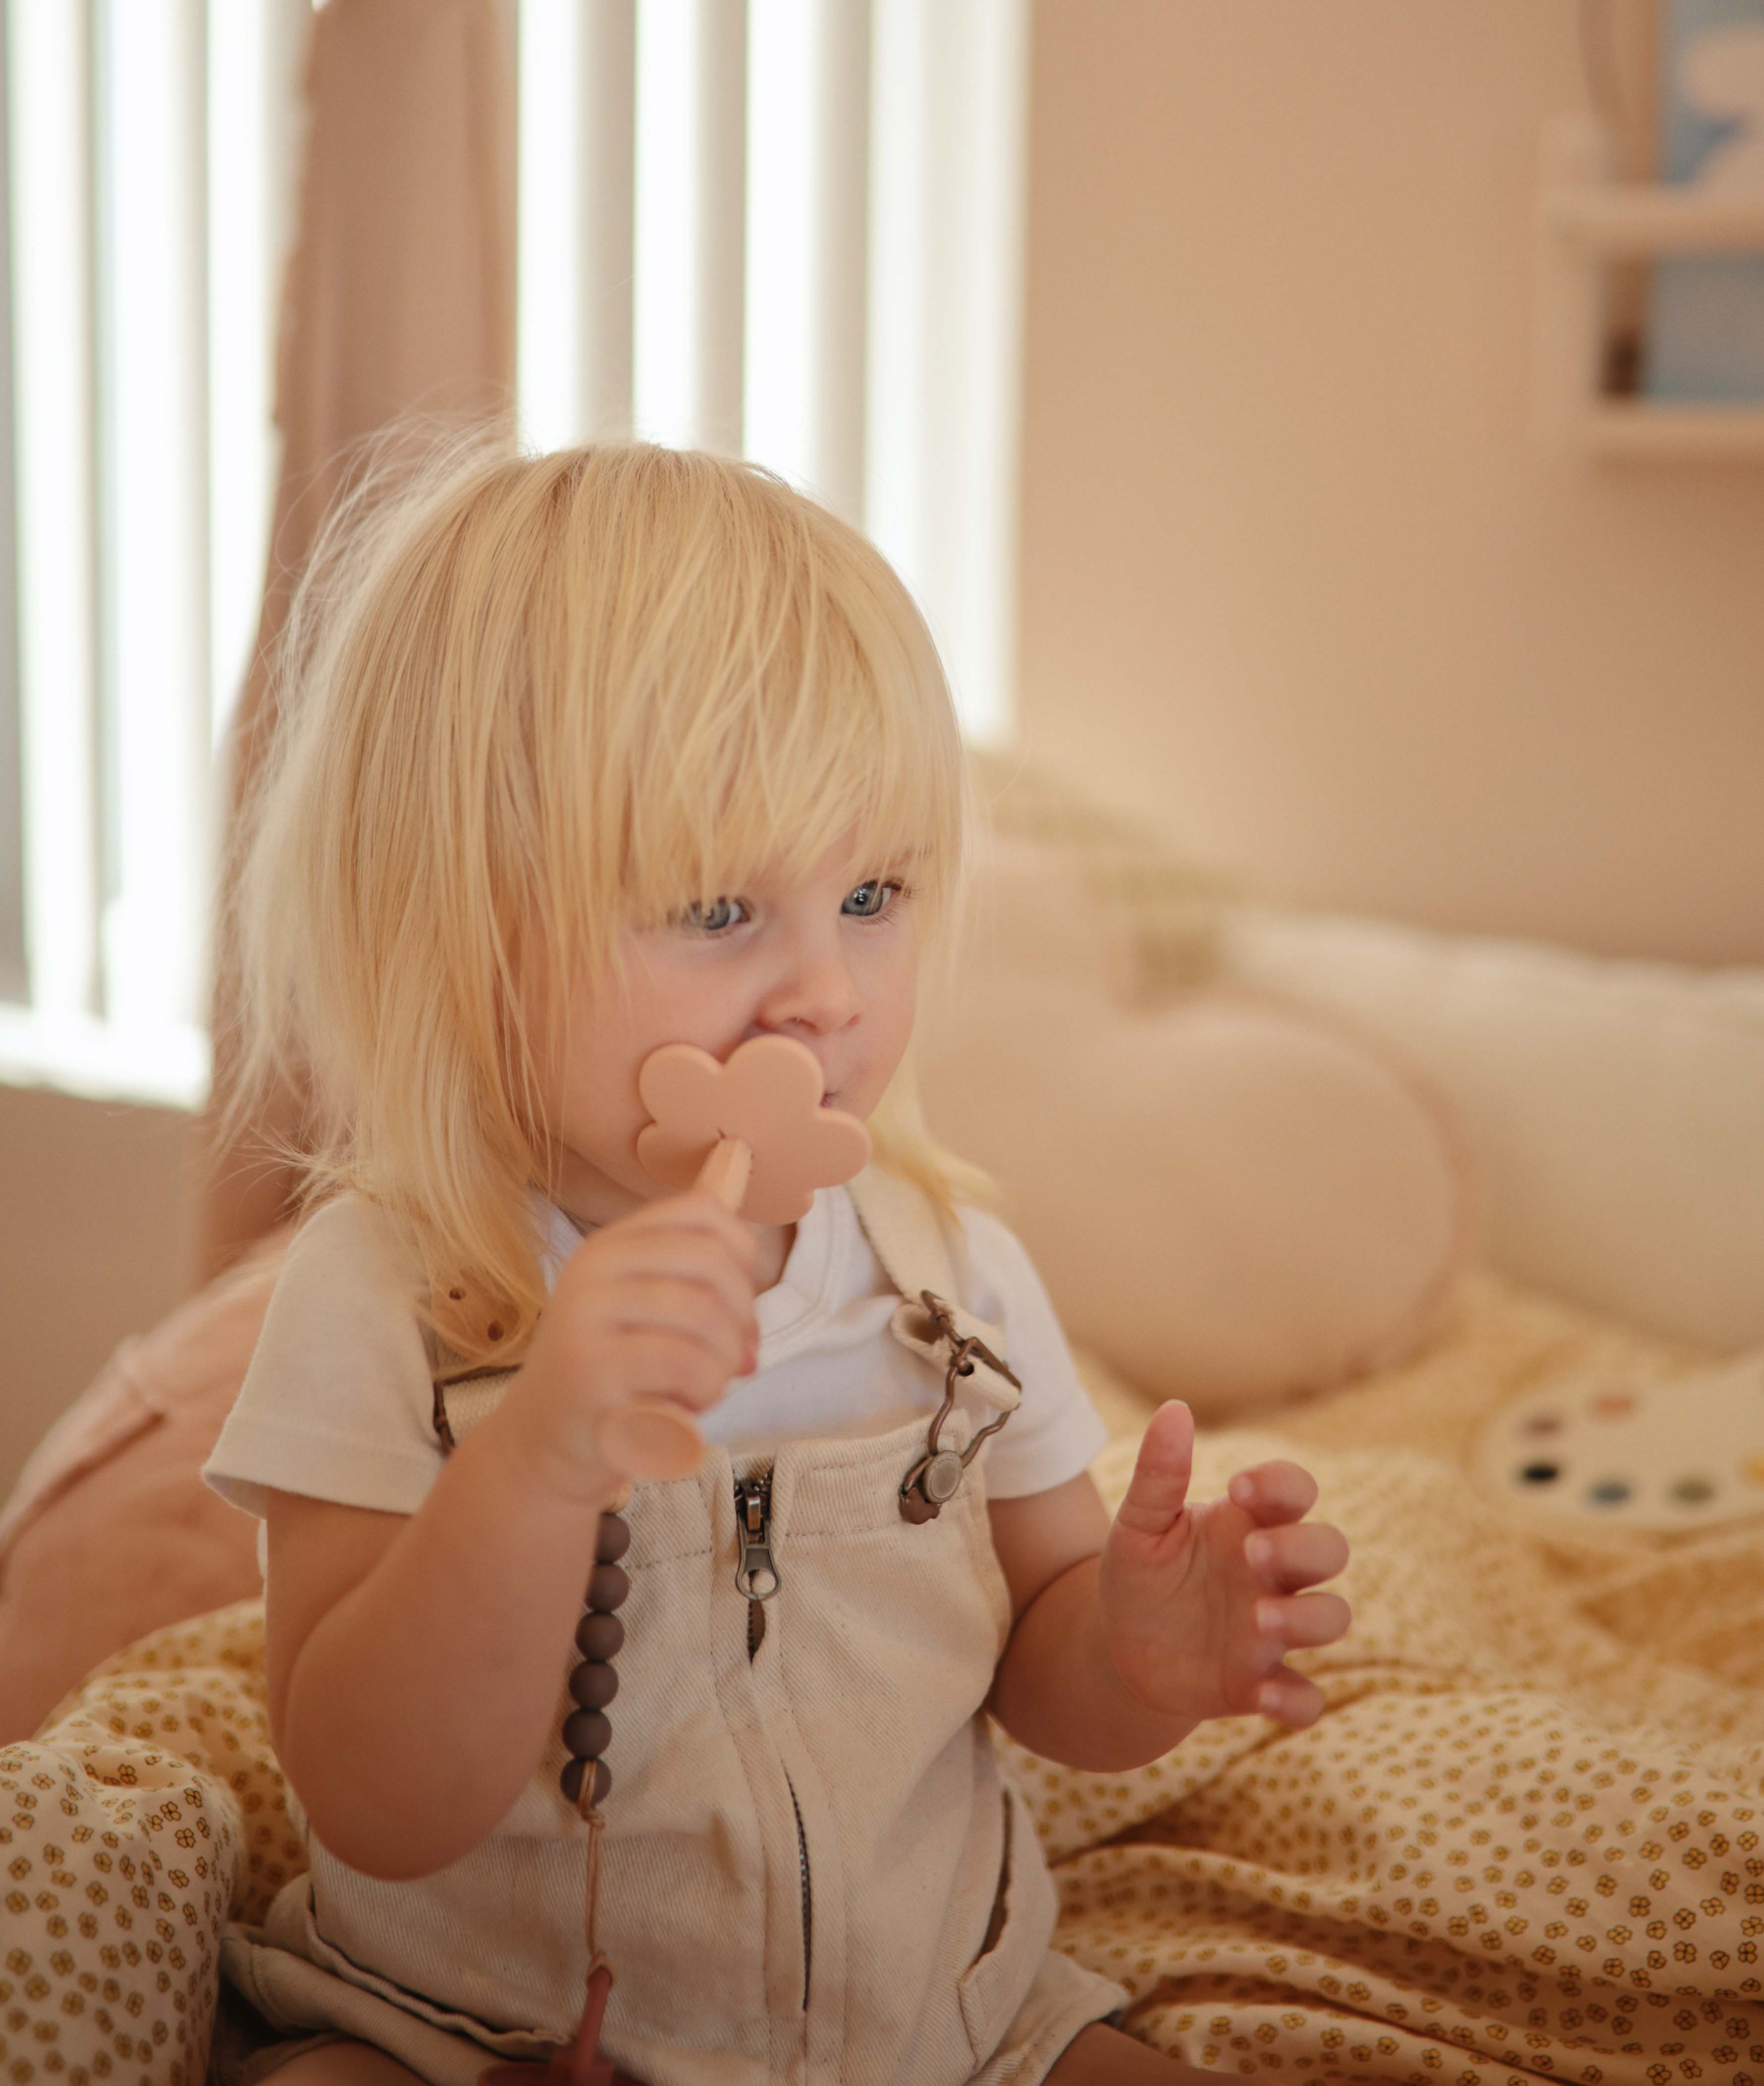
<point>816,992</point>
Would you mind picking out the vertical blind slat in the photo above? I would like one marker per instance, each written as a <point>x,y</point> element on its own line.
<point>15,976</point>
<point>606,211</point>
<point>254,50</point>
<point>782,372</point>
<point>577,130</point>
<point>549,257</point>
<point>945,287</point>
<point>153,368</point>
<point>995,123</point>
<point>721,259</point>
<point>48,100</point>
<point>665,288</point>
<point>842,193</point>
<point>895,454</point>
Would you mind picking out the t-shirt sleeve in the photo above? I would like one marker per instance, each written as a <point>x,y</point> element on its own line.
<point>1055,1433</point>
<point>337,1401</point>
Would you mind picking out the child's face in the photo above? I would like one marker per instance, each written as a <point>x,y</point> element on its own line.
<point>830,958</point>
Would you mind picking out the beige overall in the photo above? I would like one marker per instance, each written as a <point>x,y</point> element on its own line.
<point>813,1870</point>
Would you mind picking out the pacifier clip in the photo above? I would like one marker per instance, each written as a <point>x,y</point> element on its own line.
<point>936,1479</point>
<point>584,1780</point>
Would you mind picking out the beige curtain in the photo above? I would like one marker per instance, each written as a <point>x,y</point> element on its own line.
<point>399,300</point>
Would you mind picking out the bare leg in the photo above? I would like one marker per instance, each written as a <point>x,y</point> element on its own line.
<point>1104,2057</point>
<point>345,2064</point>
<point>1100,2057</point>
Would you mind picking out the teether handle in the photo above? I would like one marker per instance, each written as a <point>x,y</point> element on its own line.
<point>653,1437</point>
<point>726,1172</point>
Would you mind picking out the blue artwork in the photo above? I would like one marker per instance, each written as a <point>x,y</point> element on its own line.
<point>1706,323</point>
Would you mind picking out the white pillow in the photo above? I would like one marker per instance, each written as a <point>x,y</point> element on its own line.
<point>1615,1109</point>
<point>1230,1199</point>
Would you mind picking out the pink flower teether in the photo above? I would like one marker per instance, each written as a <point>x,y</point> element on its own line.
<point>752,1132</point>
<point>768,1095</point>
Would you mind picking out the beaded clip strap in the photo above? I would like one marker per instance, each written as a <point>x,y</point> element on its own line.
<point>587,1731</point>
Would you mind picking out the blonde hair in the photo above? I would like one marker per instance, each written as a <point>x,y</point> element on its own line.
<point>526,701</point>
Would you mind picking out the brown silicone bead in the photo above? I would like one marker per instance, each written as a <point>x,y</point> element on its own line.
<point>599,1637</point>
<point>613,1540</point>
<point>587,1734</point>
<point>607,1587</point>
<point>594,1684</point>
<point>571,1780</point>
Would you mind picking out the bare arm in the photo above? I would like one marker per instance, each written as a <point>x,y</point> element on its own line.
<point>1127,1636</point>
<point>415,1662</point>
<point>1057,1691</point>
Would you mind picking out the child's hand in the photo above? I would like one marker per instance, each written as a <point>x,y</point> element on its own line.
<point>1200,1603</point>
<point>659,1303</point>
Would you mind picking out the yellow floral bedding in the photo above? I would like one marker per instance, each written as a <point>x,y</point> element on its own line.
<point>1525,1841</point>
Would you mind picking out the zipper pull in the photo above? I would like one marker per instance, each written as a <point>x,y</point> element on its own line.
<point>756,1575</point>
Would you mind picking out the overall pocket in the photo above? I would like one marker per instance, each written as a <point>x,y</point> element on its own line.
<point>1024,1909</point>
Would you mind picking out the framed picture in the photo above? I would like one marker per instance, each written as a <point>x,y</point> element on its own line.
<point>1704,335</point>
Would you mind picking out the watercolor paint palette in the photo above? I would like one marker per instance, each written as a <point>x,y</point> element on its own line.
<point>1683,1454</point>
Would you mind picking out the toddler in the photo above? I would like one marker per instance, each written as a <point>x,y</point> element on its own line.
<point>582,754</point>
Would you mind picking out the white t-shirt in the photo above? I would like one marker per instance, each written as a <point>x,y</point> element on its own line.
<point>337,1403</point>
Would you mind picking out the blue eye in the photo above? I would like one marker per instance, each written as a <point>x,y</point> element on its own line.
<point>870,899</point>
<point>713,916</point>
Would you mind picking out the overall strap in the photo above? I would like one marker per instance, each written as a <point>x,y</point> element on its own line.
<point>923,1253</point>
<point>461,1317</point>
<point>462,1401</point>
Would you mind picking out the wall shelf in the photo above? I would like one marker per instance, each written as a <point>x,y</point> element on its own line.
<point>1641,428</point>
<point>1585,222</point>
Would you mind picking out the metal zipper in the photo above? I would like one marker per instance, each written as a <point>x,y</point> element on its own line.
<point>809,1909</point>
<point>758,1576</point>
<point>756,1573</point>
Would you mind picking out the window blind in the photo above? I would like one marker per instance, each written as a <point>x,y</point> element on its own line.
<point>785,228</point>
<point>147,157</point>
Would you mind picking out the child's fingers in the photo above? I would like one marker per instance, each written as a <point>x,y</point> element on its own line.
<point>670,1365</point>
<point>1160,1473</point>
<point>1272,1492</point>
<point>697,1208</point>
<point>682,1258</point>
<point>1297,1554</point>
<point>697,1213</point>
<point>1304,1621</point>
<point>1289,1699</point>
<point>662,1303</point>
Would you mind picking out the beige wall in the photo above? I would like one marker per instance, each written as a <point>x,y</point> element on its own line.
<point>1297,583</point>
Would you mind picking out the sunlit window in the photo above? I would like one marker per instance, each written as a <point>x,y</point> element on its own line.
<point>785,229</point>
<point>146,158</point>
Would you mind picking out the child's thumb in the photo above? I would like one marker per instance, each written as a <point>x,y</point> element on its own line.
<point>1160,1487</point>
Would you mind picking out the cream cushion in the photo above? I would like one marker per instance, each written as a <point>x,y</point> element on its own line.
<point>110,1532</point>
<point>1230,1200</point>
<point>1615,1109</point>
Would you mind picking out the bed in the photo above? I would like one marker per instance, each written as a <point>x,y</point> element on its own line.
<point>1526,1839</point>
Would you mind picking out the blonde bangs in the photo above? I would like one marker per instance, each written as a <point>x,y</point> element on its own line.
<point>776,698</point>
